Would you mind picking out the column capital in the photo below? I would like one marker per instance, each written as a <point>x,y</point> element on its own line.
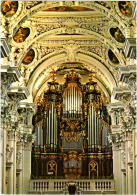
<point>125,72</point>
<point>5,47</point>
<point>130,44</point>
<point>115,107</point>
<point>9,74</point>
<point>121,93</point>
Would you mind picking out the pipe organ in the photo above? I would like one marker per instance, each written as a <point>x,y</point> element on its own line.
<point>71,126</point>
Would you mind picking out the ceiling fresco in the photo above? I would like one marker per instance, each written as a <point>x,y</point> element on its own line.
<point>68,9</point>
<point>9,8</point>
<point>82,35</point>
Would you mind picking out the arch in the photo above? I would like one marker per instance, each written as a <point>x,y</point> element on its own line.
<point>89,62</point>
<point>102,88</point>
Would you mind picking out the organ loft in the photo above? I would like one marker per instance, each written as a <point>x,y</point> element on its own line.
<point>71,126</point>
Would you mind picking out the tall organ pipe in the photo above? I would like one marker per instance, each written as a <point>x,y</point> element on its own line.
<point>55,131</point>
<point>68,100</point>
<point>49,126</point>
<point>91,128</point>
<point>74,96</point>
<point>88,131</point>
<point>97,132</point>
<point>95,128</point>
<point>47,133</point>
<point>52,124</point>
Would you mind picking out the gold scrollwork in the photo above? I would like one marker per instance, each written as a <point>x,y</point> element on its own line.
<point>52,166</point>
<point>93,167</point>
<point>73,125</point>
<point>72,135</point>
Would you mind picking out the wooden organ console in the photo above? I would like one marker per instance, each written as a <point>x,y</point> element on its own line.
<point>71,126</point>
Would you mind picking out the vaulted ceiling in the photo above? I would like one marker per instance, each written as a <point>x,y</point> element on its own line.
<point>62,35</point>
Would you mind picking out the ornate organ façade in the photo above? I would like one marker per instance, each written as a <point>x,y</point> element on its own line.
<point>71,126</point>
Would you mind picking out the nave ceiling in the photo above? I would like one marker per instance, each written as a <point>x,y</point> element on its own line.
<point>62,35</point>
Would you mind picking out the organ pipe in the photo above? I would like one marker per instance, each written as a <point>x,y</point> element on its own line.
<point>52,124</point>
<point>88,132</point>
<point>92,126</point>
<point>49,127</point>
<point>74,101</point>
<point>95,127</point>
<point>47,131</point>
<point>90,129</point>
<point>54,135</point>
<point>97,131</point>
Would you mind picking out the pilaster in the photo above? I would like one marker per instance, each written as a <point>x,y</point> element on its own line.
<point>26,111</point>
<point>123,130</point>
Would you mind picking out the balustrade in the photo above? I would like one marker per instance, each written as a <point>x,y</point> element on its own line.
<point>59,185</point>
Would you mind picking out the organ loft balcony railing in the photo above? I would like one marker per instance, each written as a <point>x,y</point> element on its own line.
<point>71,126</point>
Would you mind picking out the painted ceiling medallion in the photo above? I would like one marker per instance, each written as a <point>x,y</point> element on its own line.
<point>117,34</point>
<point>28,57</point>
<point>9,8</point>
<point>125,8</point>
<point>112,57</point>
<point>68,8</point>
<point>21,35</point>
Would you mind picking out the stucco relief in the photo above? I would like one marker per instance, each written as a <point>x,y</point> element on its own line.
<point>90,5</point>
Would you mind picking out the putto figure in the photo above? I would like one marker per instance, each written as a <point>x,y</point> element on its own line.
<point>21,35</point>
<point>125,8</point>
<point>117,34</point>
<point>29,57</point>
<point>9,8</point>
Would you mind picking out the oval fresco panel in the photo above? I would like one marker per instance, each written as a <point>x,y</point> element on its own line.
<point>9,8</point>
<point>112,57</point>
<point>117,34</point>
<point>125,8</point>
<point>28,57</point>
<point>21,35</point>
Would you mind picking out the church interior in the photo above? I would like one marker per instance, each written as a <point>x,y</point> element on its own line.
<point>68,97</point>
